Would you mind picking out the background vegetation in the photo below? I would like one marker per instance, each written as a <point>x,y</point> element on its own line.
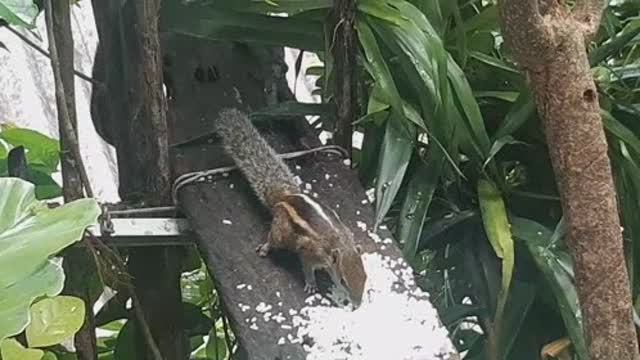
<point>454,148</point>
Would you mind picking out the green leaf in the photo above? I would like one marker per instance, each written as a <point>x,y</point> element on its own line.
<point>420,192</point>
<point>486,20</point>
<point>40,149</point>
<point>216,346</point>
<point>498,230</point>
<point>520,301</point>
<point>494,62</point>
<point>203,21</point>
<point>499,144</point>
<point>615,44</point>
<point>49,356</point>
<point>552,263</point>
<point>11,349</point>
<point>620,131</point>
<point>30,232</point>
<point>125,348</point>
<point>397,143</point>
<point>54,320</point>
<point>289,7</point>
<point>16,299</point>
<point>19,12</point>
<point>519,113</point>
<point>510,96</point>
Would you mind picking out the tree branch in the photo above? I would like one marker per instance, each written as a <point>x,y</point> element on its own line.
<point>567,101</point>
<point>39,49</point>
<point>65,121</point>
<point>528,33</point>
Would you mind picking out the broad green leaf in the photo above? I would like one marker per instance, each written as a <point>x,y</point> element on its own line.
<point>203,21</point>
<point>49,356</point>
<point>397,143</point>
<point>521,298</point>
<point>46,187</point>
<point>499,144</point>
<point>616,43</point>
<point>486,20</point>
<point>19,12</point>
<point>519,113</point>
<point>54,320</point>
<point>498,230</point>
<point>510,96</point>
<point>289,7</point>
<point>421,188</point>
<point>30,232</point>
<point>395,154</point>
<point>216,346</point>
<point>125,348</point>
<point>16,299</point>
<point>437,227</point>
<point>494,62</point>
<point>413,42</point>
<point>11,349</point>
<point>40,149</point>
<point>548,260</point>
<point>620,131</point>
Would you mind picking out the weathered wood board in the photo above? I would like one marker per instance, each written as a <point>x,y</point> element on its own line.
<point>226,218</point>
<point>230,222</point>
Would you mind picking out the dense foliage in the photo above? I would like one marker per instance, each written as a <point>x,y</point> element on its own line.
<point>454,148</point>
<point>475,206</point>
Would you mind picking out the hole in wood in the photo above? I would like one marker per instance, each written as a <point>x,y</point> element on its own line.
<point>589,95</point>
<point>199,74</point>
<point>212,74</point>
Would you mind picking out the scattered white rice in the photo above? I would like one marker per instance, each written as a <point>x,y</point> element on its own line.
<point>391,323</point>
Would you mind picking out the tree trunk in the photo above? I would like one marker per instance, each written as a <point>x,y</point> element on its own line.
<point>548,40</point>
<point>78,265</point>
<point>344,55</point>
<point>130,113</point>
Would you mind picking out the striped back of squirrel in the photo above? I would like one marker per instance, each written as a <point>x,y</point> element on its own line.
<point>270,178</point>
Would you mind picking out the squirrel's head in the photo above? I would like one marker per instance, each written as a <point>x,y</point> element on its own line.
<point>348,272</point>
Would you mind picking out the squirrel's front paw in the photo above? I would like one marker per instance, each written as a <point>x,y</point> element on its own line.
<point>263,249</point>
<point>310,288</point>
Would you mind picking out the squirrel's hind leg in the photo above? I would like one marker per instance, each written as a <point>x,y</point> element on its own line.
<point>280,233</point>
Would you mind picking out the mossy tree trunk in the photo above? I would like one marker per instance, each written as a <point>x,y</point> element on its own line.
<point>547,38</point>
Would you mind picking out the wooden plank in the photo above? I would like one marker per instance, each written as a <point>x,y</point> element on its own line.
<point>229,223</point>
<point>227,220</point>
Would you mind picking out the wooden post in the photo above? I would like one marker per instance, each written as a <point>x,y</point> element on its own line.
<point>343,49</point>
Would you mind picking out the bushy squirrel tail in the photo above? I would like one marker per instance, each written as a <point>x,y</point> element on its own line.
<point>268,175</point>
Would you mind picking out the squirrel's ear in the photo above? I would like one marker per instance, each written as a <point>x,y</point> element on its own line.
<point>359,249</point>
<point>336,255</point>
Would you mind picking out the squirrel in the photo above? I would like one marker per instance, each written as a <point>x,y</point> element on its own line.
<point>300,224</point>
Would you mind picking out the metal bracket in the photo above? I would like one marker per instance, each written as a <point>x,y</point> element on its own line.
<point>146,232</point>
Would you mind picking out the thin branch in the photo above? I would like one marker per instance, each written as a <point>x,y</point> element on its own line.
<point>65,122</point>
<point>42,51</point>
